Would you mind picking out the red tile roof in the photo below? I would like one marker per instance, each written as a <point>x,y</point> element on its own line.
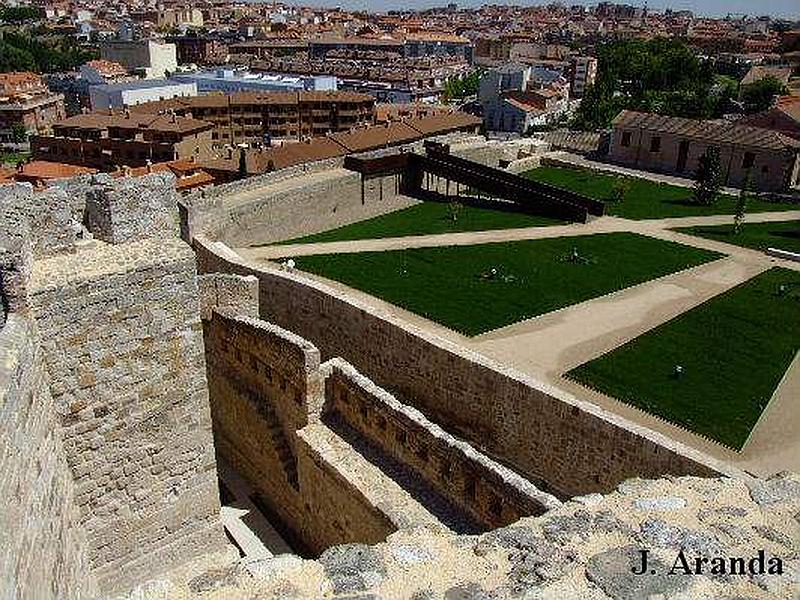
<point>720,132</point>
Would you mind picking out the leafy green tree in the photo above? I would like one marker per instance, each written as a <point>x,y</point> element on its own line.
<point>741,203</point>
<point>461,87</point>
<point>619,189</point>
<point>23,50</point>
<point>708,179</point>
<point>19,133</point>
<point>659,75</point>
<point>20,14</point>
<point>759,95</point>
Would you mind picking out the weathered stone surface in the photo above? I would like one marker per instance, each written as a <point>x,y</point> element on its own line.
<point>43,215</point>
<point>775,491</point>
<point>216,578</point>
<point>133,208</point>
<point>353,567</point>
<point>122,342</point>
<point>468,591</point>
<point>611,570</point>
<point>660,503</point>
<point>43,550</point>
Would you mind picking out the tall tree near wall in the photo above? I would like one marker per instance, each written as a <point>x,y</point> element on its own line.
<point>708,179</point>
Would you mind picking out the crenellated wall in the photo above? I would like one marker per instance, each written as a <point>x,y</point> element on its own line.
<point>563,445</point>
<point>492,495</point>
<point>277,416</point>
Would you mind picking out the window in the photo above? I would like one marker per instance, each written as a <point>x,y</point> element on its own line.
<point>748,160</point>
<point>655,144</point>
<point>626,139</point>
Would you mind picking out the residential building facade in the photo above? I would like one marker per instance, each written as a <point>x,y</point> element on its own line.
<point>260,118</point>
<point>108,142</point>
<point>26,102</point>
<point>675,145</point>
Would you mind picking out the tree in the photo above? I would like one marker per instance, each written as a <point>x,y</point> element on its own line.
<point>242,162</point>
<point>759,95</point>
<point>708,179</point>
<point>461,87</point>
<point>453,210</point>
<point>741,203</point>
<point>619,190</point>
<point>19,133</point>
<point>659,75</point>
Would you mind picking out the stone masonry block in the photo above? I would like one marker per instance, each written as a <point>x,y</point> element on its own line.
<point>16,258</point>
<point>233,293</point>
<point>46,214</point>
<point>131,208</point>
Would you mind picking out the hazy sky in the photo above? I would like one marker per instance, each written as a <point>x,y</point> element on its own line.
<point>780,8</point>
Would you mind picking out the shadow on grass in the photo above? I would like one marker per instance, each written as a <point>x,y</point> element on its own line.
<point>792,235</point>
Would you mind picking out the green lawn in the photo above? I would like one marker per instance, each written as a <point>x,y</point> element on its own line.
<point>784,234</point>
<point>427,218</point>
<point>645,199</point>
<point>13,158</point>
<point>734,350</point>
<point>454,286</point>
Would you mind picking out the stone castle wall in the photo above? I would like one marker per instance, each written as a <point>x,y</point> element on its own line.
<point>490,494</point>
<point>271,403</point>
<point>122,343</point>
<point>133,208</point>
<point>44,217</point>
<point>43,550</point>
<point>563,445</point>
<point>309,203</point>
<point>308,199</point>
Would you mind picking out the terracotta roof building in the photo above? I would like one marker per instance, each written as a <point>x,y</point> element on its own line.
<point>108,141</point>
<point>25,101</point>
<point>784,117</point>
<point>675,145</point>
<point>260,117</point>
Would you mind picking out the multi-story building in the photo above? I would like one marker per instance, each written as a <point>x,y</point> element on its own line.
<point>256,118</point>
<point>271,47</point>
<point>583,73</point>
<point>151,58</point>
<point>26,102</point>
<point>199,49</point>
<point>131,93</point>
<point>180,17</point>
<point>107,142</point>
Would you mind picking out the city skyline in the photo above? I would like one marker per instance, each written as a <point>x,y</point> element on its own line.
<point>711,8</point>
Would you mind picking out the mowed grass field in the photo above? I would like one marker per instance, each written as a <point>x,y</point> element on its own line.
<point>734,350</point>
<point>427,218</point>
<point>457,287</point>
<point>783,234</point>
<point>645,199</point>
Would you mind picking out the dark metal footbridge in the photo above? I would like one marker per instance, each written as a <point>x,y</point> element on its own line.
<point>424,176</point>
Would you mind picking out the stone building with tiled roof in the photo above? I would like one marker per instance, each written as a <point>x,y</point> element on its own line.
<point>674,145</point>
